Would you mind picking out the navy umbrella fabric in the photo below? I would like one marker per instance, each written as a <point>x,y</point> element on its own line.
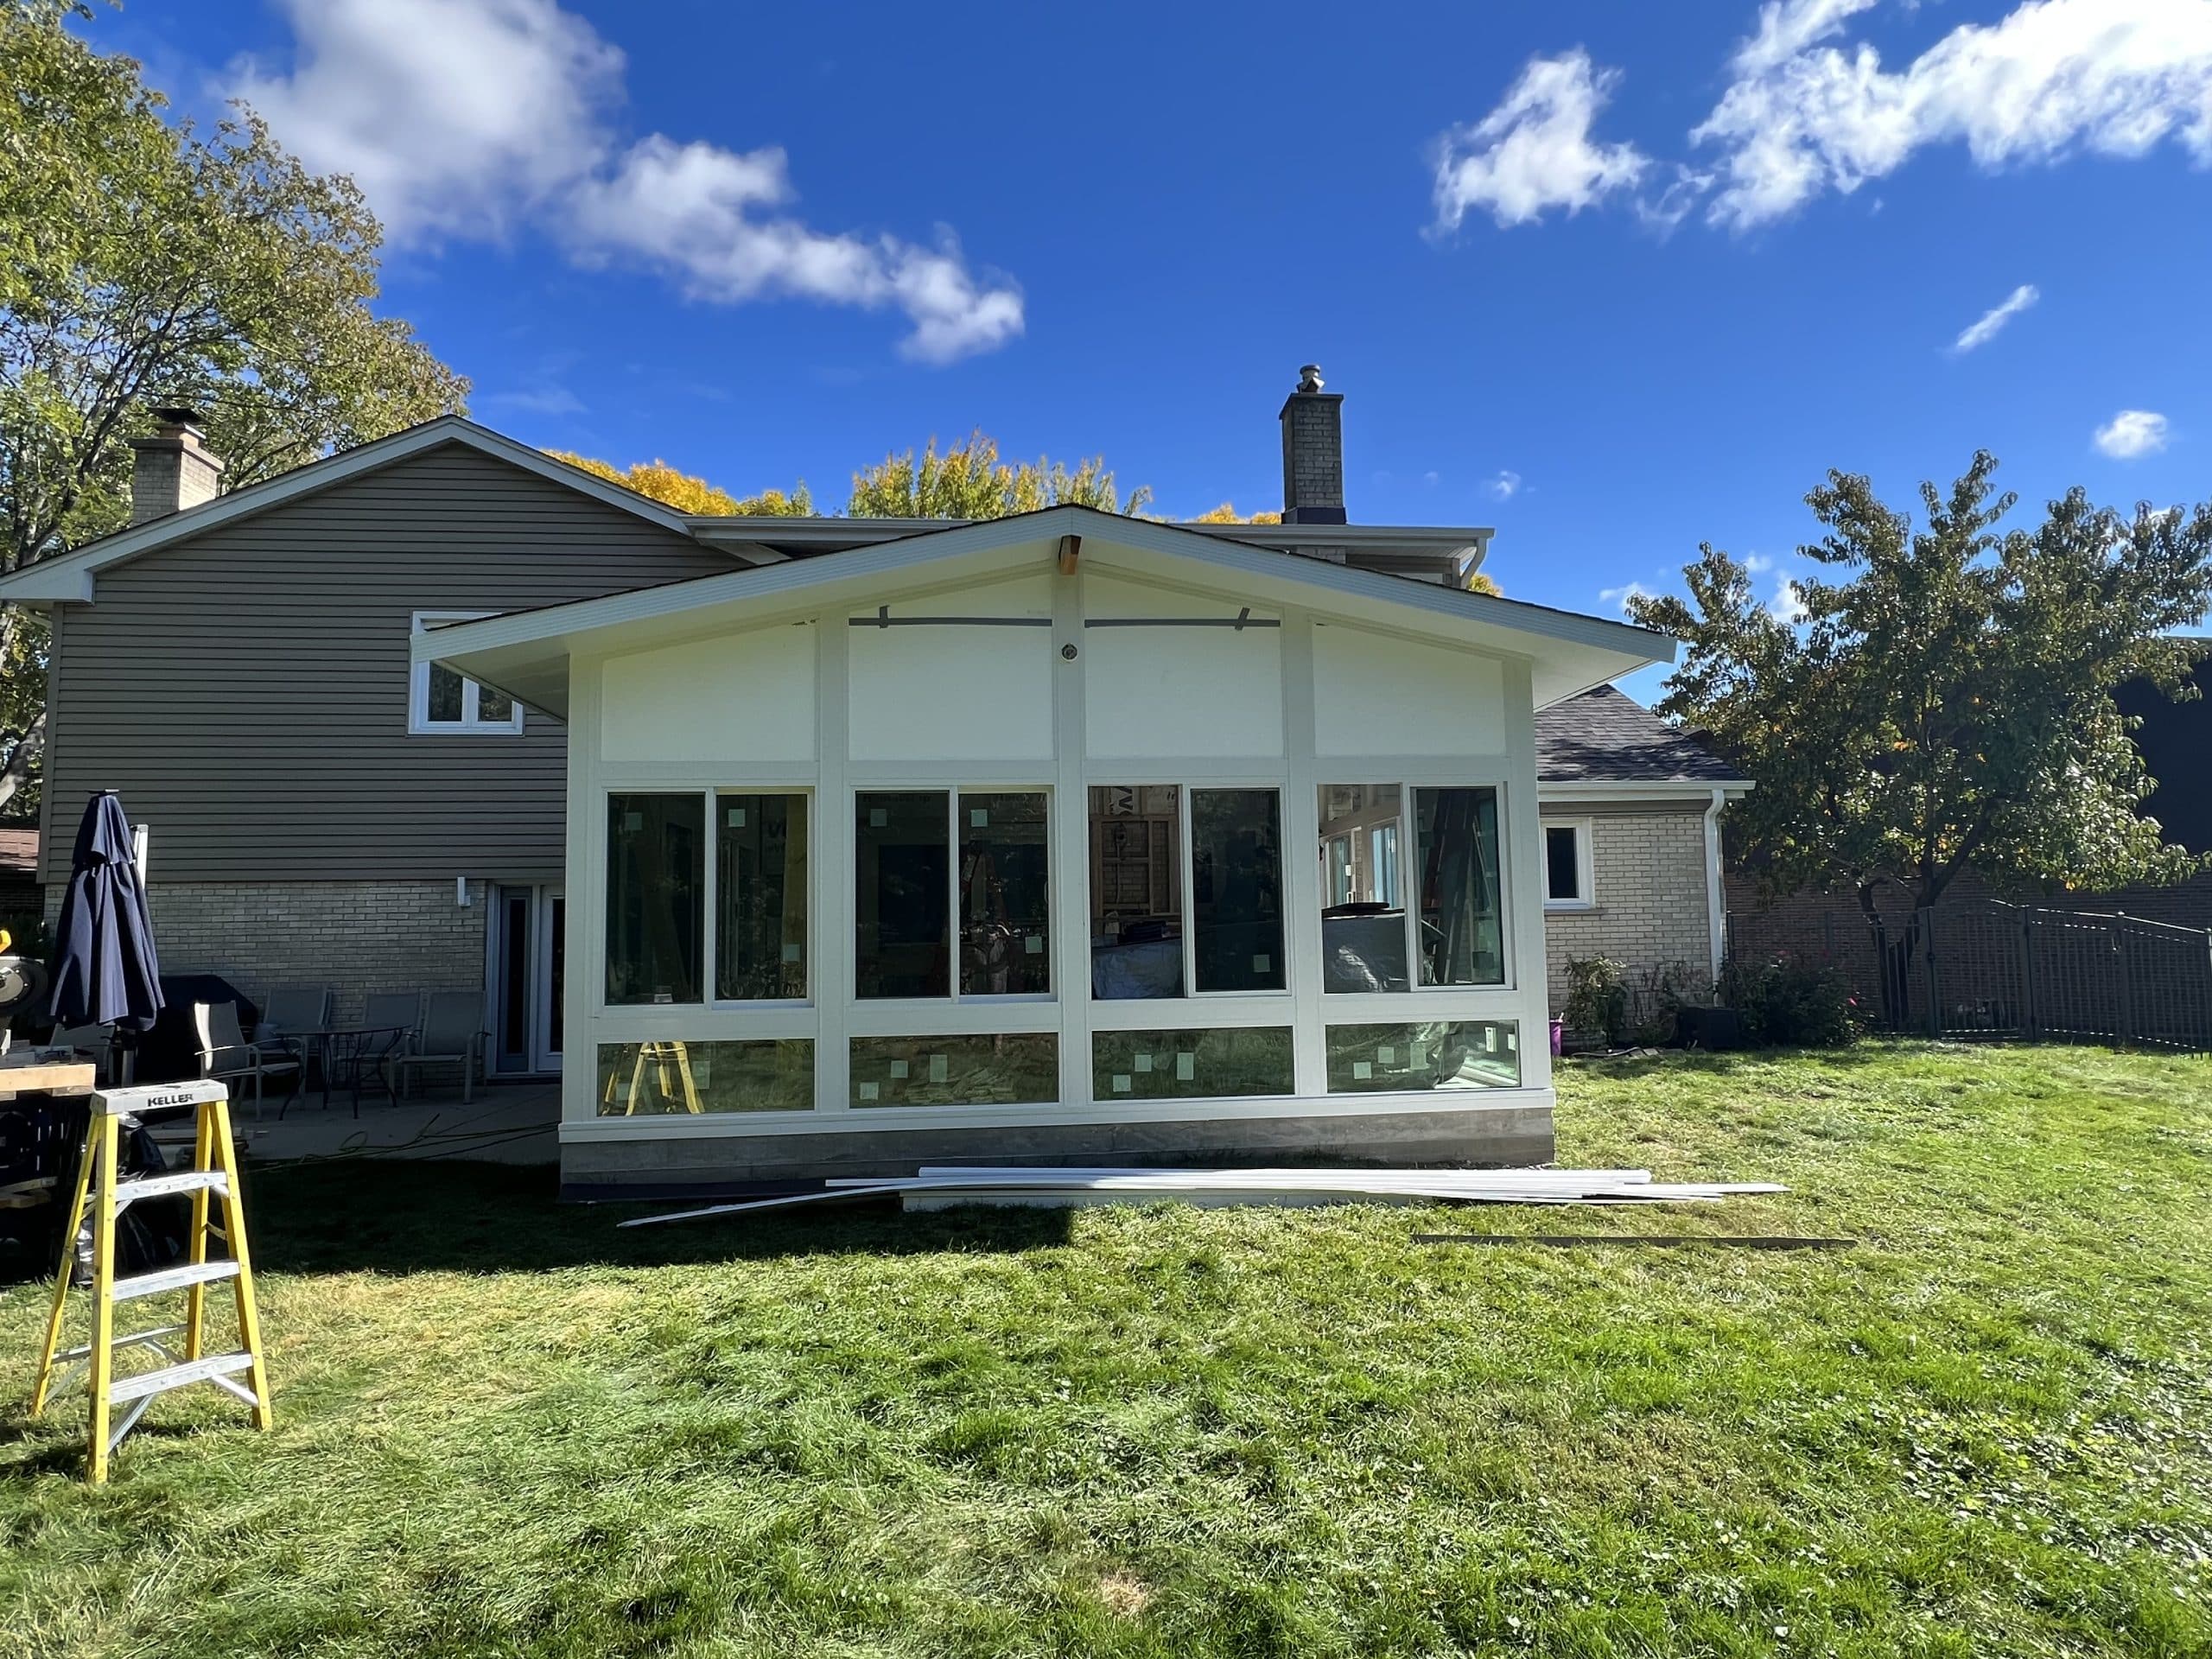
<point>105,968</point>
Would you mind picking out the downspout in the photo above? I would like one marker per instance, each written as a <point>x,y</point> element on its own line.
<point>1716,891</point>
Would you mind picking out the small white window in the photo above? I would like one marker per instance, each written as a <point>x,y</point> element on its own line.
<point>1567,866</point>
<point>441,701</point>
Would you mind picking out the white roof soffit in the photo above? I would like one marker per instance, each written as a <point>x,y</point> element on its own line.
<point>68,578</point>
<point>525,653</point>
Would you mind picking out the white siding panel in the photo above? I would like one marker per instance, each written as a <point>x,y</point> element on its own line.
<point>1178,693</point>
<point>1377,694</point>
<point>955,691</point>
<point>744,697</point>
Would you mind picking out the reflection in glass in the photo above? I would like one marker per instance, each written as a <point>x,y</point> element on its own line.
<point>655,863</point>
<point>445,693</point>
<point>1005,894</point>
<point>901,894</point>
<point>1364,914</point>
<point>1136,891</point>
<point>645,1079</point>
<point>1237,889</point>
<point>1190,1064</point>
<point>760,897</point>
<point>493,707</point>
<point>1423,1056</point>
<point>1455,841</point>
<point>1021,1069</point>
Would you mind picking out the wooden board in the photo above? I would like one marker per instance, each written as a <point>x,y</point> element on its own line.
<point>46,1077</point>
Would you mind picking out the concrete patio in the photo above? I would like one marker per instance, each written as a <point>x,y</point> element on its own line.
<point>506,1123</point>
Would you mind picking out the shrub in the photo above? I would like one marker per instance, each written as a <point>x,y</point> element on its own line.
<point>1663,990</point>
<point>1597,1002</point>
<point>1788,1002</point>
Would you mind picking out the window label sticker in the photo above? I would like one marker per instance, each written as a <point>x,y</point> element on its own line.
<point>790,953</point>
<point>737,818</point>
<point>1386,1055</point>
<point>633,821</point>
<point>1417,1055</point>
<point>877,816</point>
<point>1186,1067</point>
<point>940,1068</point>
<point>978,817</point>
<point>1360,1070</point>
<point>869,1092</point>
<point>1120,1083</point>
<point>1144,1062</point>
<point>1034,944</point>
<point>1260,965</point>
<point>898,1068</point>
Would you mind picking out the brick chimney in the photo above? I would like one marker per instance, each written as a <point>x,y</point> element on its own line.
<point>172,470</point>
<point>1312,453</point>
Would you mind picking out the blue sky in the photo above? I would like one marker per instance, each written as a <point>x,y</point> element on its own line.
<point>1614,279</point>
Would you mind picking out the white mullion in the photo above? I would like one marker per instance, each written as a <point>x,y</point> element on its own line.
<point>1409,857</point>
<point>831,973</point>
<point>953,917</point>
<point>709,896</point>
<point>1068,837</point>
<point>1299,817</point>
<point>1186,832</point>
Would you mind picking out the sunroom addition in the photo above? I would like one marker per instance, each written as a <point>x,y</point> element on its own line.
<point>962,847</point>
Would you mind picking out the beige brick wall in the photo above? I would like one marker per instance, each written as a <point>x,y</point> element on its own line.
<point>1648,877</point>
<point>355,936</point>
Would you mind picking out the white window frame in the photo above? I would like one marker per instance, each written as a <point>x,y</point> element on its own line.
<point>1406,827</point>
<point>419,723</point>
<point>1584,865</point>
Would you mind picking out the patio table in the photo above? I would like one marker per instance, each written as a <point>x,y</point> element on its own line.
<point>345,1052</point>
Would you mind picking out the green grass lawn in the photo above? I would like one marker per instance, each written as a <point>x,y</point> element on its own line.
<point>504,1428</point>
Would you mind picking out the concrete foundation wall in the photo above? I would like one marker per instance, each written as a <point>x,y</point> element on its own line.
<point>355,936</point>
<point>1514,1135</point>
<point>1647,878</point>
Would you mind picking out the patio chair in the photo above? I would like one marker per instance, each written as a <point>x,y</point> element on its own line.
<point>225,1054</point>
<point>291,1017</point>
<point>452,1034</point>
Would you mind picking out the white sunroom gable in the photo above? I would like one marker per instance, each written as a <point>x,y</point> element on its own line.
<point>963,674</point>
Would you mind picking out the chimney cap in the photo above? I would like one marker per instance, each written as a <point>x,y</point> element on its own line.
<point>1309,378</point>
<point>178,415</point>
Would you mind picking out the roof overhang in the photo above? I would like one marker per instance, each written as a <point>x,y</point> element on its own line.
<point>67,579</point>
<point>527,653</point>
<point>1645,789</point>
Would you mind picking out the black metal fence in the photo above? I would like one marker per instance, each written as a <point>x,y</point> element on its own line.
<point>1985,968</point>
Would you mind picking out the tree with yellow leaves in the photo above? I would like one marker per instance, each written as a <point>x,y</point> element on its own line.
<point>687,494</point>
<point>968,480</point>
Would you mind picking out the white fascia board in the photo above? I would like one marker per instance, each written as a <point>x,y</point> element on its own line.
<point>68,577</point>
<point>1582,790</point>
<point>1462,545</point>
<point>1567,649</point>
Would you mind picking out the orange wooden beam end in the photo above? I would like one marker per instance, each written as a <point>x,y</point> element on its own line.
<point>1071,550</point>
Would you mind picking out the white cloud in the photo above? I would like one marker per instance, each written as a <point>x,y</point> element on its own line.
<point>538,400</point>
<point>473,119</point>
<point>1788,605</point>
<point>1758,563</point>
<point>2050,79</point>
<point>2131,433</point>
<point>1620,596</point>
<point>1504,484</point>
<point>1991,321</point>
<point>1533,152</point>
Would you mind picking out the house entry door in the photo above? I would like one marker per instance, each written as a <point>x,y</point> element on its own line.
<point>526,948</point>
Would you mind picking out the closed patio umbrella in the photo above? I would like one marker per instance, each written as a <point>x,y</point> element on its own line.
<point>105,968</point>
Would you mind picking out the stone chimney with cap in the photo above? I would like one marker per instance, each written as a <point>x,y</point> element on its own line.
<point>1312,453</point>
<point>172,470</point>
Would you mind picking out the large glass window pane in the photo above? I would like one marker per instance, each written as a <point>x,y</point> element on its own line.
<point>1455,843</point>
<point>494,706</point>
<point>1136,891</point>
<point>445,694</point>
<point>1363,913</point>
<point>903,894</point>
<point>1237,889</point>
<point>1422,1055</point>
<point>1021,1069</point>
<point>656,872</point>
<point>1190,1064</point>
<point>646,1079</point>
<point>1005,895</point>
<point>760,897</point>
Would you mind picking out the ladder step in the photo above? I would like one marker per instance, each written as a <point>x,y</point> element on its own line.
<point>153,1284</point>
<point>147,1383</point>
<point>162,1186</point>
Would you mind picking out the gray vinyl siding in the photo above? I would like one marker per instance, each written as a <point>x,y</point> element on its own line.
<point>246,690</point>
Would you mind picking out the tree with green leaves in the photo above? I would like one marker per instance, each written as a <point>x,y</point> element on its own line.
<point>1943,701</point>
<point>144,264</point>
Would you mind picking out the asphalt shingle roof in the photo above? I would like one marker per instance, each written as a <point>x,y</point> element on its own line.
<point>1606,736</point>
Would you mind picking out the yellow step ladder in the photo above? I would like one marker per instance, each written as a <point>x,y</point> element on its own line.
<point>103,1194</point>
